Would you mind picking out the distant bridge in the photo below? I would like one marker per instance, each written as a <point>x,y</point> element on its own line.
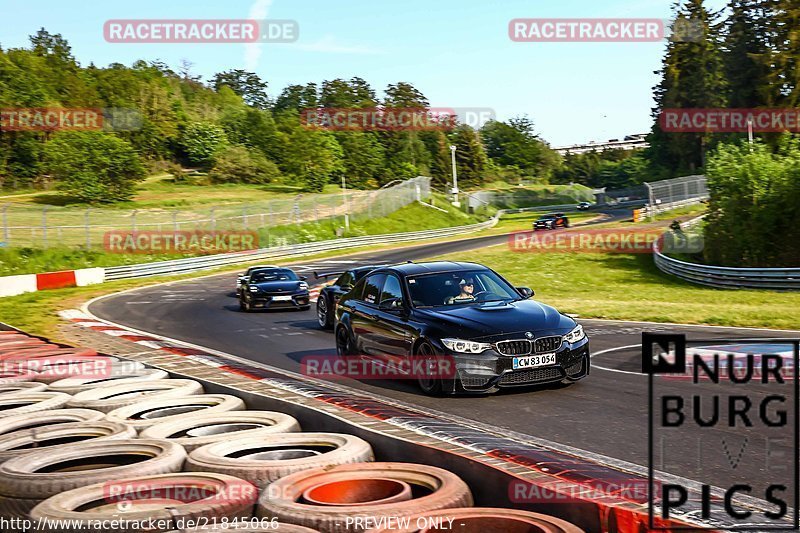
<point>630,142</point>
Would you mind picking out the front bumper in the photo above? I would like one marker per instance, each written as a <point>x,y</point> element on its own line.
<point>265,301</point>
<point>490,370</point>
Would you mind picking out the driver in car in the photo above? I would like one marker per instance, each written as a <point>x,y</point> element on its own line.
<point>467,287</point>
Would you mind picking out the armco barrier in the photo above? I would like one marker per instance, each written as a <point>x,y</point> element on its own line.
<point>781,279</point>
<point>192,264</point>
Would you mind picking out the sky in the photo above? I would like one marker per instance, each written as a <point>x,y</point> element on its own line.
<point>457,52</point>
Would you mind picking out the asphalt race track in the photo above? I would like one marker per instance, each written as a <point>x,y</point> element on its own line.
<point>606,413</point>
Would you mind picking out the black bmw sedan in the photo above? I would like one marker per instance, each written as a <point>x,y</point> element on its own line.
<point>271,288</point>
<point>466,314</point>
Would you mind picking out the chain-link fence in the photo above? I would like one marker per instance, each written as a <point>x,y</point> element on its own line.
<point>677,192</point>
<point>531,197</point>
<point>51,226</point>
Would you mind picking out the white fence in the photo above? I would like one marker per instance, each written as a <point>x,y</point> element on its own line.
<point>51,226</point>
<point>673,193</point>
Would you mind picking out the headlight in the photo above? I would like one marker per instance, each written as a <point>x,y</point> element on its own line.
<point>575,335</point>
<point>459,345</point>
<point>303,286</point>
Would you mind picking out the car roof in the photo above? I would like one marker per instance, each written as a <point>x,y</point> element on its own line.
<point>271,268</point>
<point>360,269</point>
<point>431,267</point>
<point>259,267</point>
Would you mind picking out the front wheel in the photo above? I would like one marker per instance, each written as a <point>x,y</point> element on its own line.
<point>323,313</point>
<point>344,343</point>
<point>428,380</point>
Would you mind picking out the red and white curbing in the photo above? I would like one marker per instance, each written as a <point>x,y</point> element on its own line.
<point>313,294</point>
<point>14,285</point>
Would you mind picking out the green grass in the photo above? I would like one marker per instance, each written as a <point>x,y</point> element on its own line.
<point>540,194</point>
<point>689,211</point>
<point>630,287</point>
<point>162,191</point>
<point>32,260</point>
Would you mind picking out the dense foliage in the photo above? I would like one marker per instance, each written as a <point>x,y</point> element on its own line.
<point>753,218</point>
<point>229,128</point>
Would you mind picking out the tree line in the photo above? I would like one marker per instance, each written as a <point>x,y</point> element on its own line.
<point>746,56</point>
<point>232,129</point>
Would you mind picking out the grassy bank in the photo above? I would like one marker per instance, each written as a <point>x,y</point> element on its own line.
<point>413,217</point>
<point>630,287</point>
<point>162,191</point>
<point>508,196</point>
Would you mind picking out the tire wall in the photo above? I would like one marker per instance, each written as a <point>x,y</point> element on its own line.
<point>489,486</point>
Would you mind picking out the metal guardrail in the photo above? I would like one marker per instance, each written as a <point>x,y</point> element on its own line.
<point>192,264</point>
<point>782,279</point>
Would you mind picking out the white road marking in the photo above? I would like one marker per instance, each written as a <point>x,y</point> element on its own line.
<point>601,352</point>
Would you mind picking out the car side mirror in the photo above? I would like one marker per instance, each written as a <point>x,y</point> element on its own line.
<point>525,292</point>
<point>303,278</point>
<point>392,304</point>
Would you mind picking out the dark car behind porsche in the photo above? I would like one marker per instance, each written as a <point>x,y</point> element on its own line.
<point>500,339</point>
<point>272,288</point>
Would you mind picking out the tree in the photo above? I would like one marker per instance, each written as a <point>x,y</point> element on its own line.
<point>404,94</point>
<point>237,164</point>
<point>201,141</point>
<point>246,84</point>
<point>745,54</point>
<point>783,60</point>
<point>46,45</point>
<point>470,156</point>
<point>753,201</point>
<point>691,77</point>
<point>514,143</point>
<point>363,158</point>
<point>297,97</point>
<point>314,156</point>
<point>93,166</point>
<point>253,128</point>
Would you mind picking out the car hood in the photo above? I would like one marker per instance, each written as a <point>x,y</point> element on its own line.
<point>278,286</point>
<point>497,320</point>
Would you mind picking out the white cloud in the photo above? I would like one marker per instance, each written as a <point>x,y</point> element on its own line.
<point>252,51</point>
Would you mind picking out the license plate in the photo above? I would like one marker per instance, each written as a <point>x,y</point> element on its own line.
<point>281,298</point>
<point>533,361</point>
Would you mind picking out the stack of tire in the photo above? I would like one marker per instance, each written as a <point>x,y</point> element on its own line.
<point>135,446</point>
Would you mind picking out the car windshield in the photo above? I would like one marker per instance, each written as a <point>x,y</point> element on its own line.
<point>263,276</point>
<point>459,288</point>
<point>547,217</point>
